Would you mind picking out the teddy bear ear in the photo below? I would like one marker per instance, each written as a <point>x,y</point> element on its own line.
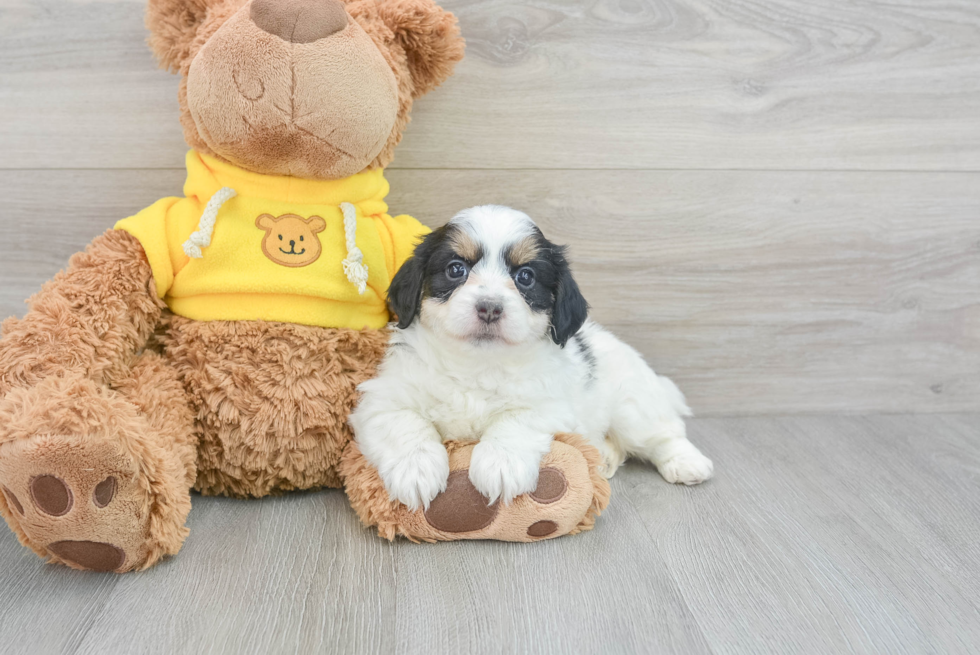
<point>429,36</point>
<point>316,224</point>
<point>173,26</point>
<point>265,222</point>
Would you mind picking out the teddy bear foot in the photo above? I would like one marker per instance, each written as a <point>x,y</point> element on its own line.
<point>461,509</point>
<point>91,480</point>
<point>77,501</point>
<point>571,493</point>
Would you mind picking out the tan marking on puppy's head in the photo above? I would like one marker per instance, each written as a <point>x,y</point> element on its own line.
<point>524,251</point>
<point>291,240</point>
<point>464,245</point>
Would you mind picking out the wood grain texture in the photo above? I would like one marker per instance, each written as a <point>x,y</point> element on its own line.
<point>720,84</point>
<point>717,168</point>
<point>846,513</point>
<point>774,292</point>
<point>279,575</point>
<point>818,535</point>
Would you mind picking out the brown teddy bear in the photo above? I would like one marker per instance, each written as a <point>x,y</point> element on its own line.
<point>215,341</point>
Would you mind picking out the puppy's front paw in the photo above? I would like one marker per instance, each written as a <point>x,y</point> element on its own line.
<point>418,477</point>
<point>503,473</point>
<point>689,468</point>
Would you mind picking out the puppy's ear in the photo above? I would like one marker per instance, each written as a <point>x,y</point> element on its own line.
<point>405,291</point>
<point>571,309</point>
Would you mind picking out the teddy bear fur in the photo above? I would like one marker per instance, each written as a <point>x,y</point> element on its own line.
<point>112,408</point>
<point>419,41</point>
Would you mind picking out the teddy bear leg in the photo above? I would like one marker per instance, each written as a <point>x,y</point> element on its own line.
<point>570,495</point>
<point>99,478</point>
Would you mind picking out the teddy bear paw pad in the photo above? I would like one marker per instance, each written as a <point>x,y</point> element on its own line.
<point>461,509</point>
<point>552,485</point>
<point>89,554</point>
<point>75,499</point>
<point>542,529</point>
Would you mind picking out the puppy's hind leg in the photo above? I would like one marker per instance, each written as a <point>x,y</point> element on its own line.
<point>648,422</point>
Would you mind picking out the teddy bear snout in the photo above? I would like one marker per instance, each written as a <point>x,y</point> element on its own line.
<point>299,21</point>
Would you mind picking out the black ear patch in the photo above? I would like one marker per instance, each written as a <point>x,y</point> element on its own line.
<point>570,309</point>
<point>554,290</point>
<point>405,291</point>
<point>415,278</point>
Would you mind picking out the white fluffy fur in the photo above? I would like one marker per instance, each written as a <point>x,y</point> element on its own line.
<point>443,379</point>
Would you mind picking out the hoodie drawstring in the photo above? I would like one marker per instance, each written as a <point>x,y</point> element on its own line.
<point>205,228</point>
<point>354,267</point>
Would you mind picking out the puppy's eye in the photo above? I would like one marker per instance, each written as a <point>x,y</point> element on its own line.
<point>524,277</point>
<point>280,237</point>
<point>301,238</point>
<point>456,270</point>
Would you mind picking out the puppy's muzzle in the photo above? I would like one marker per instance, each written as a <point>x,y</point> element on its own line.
<point>489,311</point>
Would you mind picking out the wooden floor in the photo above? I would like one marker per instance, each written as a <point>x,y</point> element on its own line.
<point>819,535</point>
<point>777,201</point>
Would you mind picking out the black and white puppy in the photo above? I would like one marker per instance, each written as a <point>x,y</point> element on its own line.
<point>493,344</point>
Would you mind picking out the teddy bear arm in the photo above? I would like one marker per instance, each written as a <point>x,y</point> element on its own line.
<point>91,319</point>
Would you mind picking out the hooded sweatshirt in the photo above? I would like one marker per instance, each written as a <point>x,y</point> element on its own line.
<point>246,246</point>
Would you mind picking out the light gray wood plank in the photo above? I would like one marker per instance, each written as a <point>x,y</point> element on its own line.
<point>782,84</point>
<point>50,215</point>
<point>833,531</point>
<point>818,535</point>
<point>78,85</point>
<point>775,292</point>
<point>772,292</point>
<point>296,574</point>
<point>45,609</point>
<point>602,592</point>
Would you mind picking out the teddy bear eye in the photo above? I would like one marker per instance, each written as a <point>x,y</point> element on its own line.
<point>301,237</point>
<point>280,237</point>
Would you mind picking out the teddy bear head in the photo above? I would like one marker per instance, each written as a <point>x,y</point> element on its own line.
<point>319,89</point>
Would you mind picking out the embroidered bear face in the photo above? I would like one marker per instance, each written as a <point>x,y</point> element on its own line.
<point>291,240</point>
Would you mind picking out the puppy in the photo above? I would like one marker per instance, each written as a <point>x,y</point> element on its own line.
<point>493,344</point>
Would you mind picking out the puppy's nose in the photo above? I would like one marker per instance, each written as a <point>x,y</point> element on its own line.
<point>299,21</point>
<point>489,311</point>
<point>292,244</point>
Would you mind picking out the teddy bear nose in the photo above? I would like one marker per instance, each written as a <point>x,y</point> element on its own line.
<point>299,21</point>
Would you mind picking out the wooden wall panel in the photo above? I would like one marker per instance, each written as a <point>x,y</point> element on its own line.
<point>778,292</point>
<point>718,84</point>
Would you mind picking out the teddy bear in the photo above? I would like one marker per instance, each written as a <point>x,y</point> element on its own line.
<point>214,341</point>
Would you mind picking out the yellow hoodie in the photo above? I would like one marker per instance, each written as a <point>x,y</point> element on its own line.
<point>246,246</point>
